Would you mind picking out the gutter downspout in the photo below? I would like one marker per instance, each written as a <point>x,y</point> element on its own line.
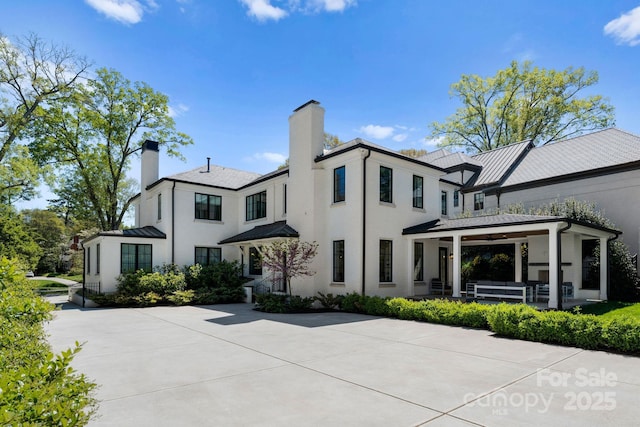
<point>559,255</point>
<point>173,222</point>
<point>364,218</point>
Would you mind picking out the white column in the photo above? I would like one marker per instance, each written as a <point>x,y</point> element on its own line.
<point>604,250</point>
<point>553,267</point>
<point>457,252</point>
<point>518,263</point>
<point>410,257</point>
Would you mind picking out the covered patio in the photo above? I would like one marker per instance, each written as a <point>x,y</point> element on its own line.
<point>555,248</point>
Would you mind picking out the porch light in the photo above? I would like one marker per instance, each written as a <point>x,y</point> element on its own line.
<point>450,256</point>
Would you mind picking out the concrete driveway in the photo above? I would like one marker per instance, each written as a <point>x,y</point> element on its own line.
<point>227,365</point>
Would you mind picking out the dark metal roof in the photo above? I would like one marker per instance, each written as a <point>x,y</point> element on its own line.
<point>489,221</point>
<point>593,152</point>
<point>268,231</point>
<point>497,163</point>
<point>149,232</point>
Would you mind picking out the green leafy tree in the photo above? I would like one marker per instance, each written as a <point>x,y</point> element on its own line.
<point>51,235</point>
<point>413,152</point>
<point>522,103</point>
<point>288,259</point>
<point>32,74</point>
<point>93,138</point>
<point>16,240</point>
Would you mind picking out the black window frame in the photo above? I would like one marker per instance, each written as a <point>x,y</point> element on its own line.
<point>338,261</point>
<point>386,184</point>
<point>284,196</point>
<point>98,258</point>
<point>443,202</point>
<point>386,261</point>
<point>137,264</point>
<point>213,255</point>
<point>478,201</point>
<point>207,212</point>
<point>159,213</point>
<point>456,198</point>
<point>256,206</point>
<point>339,185</point>
<point>418,199</point>
<point>88,260</point>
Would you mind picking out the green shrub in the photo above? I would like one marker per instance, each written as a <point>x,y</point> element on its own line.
<point>272,303</point>
<point>622,334</point>
<point>222,274</point>
<point>278,303</point>
<point>36,386</point>
<point>182,297</point>
<point>504,319</point>
<point>329,301</point>
<point>376,306</point>
<point>207,296</point>
<point>353,303</point>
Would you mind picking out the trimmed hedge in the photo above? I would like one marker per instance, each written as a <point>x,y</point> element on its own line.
<point>510,320</point>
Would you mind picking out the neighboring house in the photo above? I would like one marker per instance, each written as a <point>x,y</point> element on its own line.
<point>384,222</point>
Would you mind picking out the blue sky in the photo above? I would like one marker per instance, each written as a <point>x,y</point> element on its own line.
<point>235,69</point>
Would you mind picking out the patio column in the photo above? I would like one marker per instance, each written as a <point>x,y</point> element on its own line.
<point>604,267</point>
<point>457,258</point>
<point>518,262</point>
<point>410,257</point>
<point>553,266</point>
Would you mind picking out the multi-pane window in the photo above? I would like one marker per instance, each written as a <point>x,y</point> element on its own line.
<point>386,184</point>
<point>443,202</point>
<point>135,257</point>
<point>257,206</point>
<point>208,256</point>
<point>418,261</point>
<point>456,198</point>
<point>159,206</point>
<point>339,185</point>
<point>255,262</point>
<point>208,207</point>
<point>386,258</point>
<point>418,191</point>
<point>338,260</point>
<point>478,201</point>
<point>98,258</point>
<point>88,260</point>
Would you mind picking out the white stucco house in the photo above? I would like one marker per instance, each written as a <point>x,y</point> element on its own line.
<point>385,223</point>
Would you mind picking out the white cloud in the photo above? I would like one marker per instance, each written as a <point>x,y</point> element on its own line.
<point>377,132</point>
<point>178,110</point>
<point>263,10</point>
<point>432,144</point>
<point>400,137</point>
<point>270,157</point>
<point>329,5</point>
<point>626,28</point>
<point>125,11</point>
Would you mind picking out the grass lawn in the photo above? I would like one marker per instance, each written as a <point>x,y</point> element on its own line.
<point>613,309</point>
<point>40,284</point>
<point>75,278</point>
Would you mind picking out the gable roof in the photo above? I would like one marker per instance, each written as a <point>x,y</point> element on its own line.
<point>497,163</point>
<point>586,154</point>
<point>260,232</point>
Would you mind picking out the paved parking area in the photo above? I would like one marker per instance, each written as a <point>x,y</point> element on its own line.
<point>227,365</point>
